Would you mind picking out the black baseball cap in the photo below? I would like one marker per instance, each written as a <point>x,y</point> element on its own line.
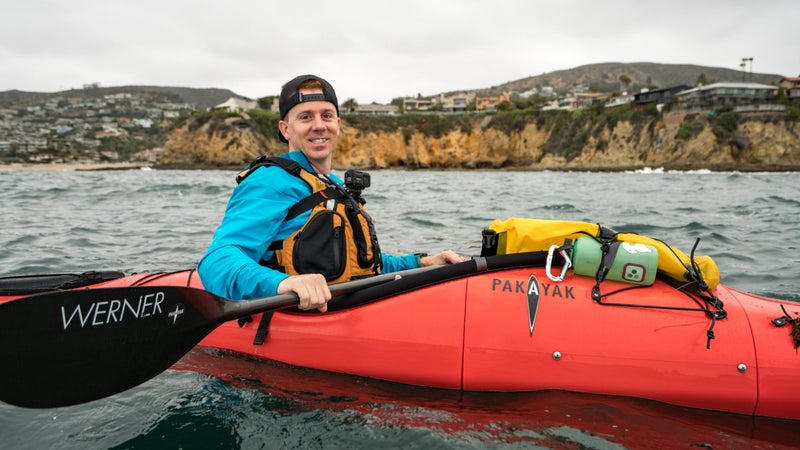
<point>290,97</point>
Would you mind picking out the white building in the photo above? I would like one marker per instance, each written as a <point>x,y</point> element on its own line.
<point>234,104</point>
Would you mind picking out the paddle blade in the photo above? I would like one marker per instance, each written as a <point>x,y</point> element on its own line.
<point>69,347</point>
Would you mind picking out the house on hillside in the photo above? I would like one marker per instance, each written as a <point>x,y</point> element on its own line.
<point>568,103</point>
<point>741,97</point>
<point>791,86</point>
<point>373,109</point>
<point>455,103</point>
<point>234,104</point>
<point>658,96</point>
<point>418,104</point>
<point>587,99</point>
<point>621,100</point>
<point>490,103</point>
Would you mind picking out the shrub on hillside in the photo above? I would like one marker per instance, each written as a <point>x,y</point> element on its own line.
<point>724,125</point>
<point>690,127</point>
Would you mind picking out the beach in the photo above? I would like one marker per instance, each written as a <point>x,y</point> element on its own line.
<point>75,166</point>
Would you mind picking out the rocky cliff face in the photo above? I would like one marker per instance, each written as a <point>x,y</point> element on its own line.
<point>230,144</point>
<point>481,148</point>
<point>759,145</point>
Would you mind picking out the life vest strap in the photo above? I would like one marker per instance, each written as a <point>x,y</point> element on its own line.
<point>286,164</point>
<point>312,201</point>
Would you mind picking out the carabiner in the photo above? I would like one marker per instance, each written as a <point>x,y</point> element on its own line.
<point>567,263</point>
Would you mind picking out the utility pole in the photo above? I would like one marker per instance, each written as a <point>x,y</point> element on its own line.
<point>744,64</point>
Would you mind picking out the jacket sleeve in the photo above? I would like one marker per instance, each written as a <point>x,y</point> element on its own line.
<point>394,263</point>
<point>253,220</point>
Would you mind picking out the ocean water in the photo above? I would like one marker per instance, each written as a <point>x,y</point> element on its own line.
<point>149,220</point>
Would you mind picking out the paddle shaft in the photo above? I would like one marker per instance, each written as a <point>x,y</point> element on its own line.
<point>234,309</point>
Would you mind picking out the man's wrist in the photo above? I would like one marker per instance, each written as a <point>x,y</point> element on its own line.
<point>419,257</point>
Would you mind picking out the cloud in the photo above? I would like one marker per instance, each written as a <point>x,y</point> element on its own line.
<point>375,50</point>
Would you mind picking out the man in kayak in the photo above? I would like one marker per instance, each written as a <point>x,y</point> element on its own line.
<point>265,245</point>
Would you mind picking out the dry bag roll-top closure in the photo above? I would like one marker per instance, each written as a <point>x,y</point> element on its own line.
<point>338,240</point>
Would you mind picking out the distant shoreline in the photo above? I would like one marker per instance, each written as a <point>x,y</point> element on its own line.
<point>134,166</point>
<point>76,167</point>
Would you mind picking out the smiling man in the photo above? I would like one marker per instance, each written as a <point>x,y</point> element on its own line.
<point>290,224</point>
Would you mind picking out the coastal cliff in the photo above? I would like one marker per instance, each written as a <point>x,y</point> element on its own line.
<point>670,140</point>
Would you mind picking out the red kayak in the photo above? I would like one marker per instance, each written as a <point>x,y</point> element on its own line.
<point>497,323</point>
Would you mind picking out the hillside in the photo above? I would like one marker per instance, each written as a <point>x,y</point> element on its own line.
<point>606,77</point>
<point>201,98</point>
<point>603,76</point>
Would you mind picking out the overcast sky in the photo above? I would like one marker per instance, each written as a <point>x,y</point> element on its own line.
<point>375,50</point>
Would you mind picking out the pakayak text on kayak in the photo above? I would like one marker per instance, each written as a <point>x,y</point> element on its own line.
<point>520,287</point>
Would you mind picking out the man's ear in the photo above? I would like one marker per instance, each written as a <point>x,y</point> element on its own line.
<point>283,127</point>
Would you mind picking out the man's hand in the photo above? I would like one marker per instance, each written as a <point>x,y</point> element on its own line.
<point>445,257</point>
<point>312,289</point>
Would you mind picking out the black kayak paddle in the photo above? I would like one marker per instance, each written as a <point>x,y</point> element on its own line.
<point>69,347</point>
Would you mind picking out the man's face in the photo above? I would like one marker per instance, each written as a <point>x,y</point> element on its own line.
<point>312,127</point>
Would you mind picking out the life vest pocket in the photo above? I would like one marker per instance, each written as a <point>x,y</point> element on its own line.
<point>321,246</point>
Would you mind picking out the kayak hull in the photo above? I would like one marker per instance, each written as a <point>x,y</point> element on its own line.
<point>516,330</point>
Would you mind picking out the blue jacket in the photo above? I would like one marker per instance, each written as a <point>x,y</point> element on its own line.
<point>254,218</point>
